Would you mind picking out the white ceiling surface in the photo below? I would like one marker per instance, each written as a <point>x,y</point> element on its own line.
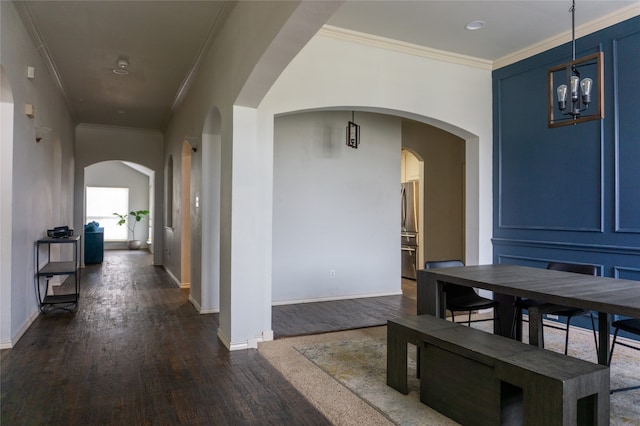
<point>81,42</point>
<point>511,26</point>
<point>84,39</point>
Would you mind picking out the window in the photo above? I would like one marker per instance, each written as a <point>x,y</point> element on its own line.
<point>102,202</point>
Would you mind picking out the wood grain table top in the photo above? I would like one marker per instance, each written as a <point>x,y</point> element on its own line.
<point>602,294</point>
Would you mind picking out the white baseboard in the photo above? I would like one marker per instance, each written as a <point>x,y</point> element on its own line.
<point>247,344</point>
<point>200,309</point>
<point>195,303</point>
<point>11,343</point>
<point>173,277</point>
<point>332,298</point>
<point>267,336</point>
<point>176,280</point>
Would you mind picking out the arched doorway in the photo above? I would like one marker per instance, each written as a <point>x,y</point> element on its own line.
<point>350,216</point>
<point>204,225</point>
<point>209,213</point>
<point>185,216</point>
<point>133,186</point>
<point>436,159</point>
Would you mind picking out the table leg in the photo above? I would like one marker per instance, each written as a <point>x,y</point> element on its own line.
<point>430,296</point>
<point>603,338</point>
<point>506,312</point>
<point>536,336</point>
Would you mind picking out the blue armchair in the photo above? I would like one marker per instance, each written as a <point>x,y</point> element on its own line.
<point>93,243</point>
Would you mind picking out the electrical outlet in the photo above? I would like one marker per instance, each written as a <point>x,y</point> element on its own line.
<point>332,273</point>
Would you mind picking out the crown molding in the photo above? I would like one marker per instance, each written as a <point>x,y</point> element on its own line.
<point>113,127</point>
<point>581,31</point>
<point>403,47</point>
<point>214,30</point>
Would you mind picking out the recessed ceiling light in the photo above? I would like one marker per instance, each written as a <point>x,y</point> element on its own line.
<point>474,25</point>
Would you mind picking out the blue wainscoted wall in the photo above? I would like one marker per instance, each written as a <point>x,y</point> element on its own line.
<point>571,193</point>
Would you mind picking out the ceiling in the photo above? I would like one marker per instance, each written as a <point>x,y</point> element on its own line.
<point>163,42</point>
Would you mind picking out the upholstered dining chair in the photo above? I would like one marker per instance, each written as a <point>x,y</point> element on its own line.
<point>558,310</point>
<point>464,299</point>
<point>630,325</point>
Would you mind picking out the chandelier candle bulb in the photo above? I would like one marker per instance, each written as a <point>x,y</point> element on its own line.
<point>585,87</point>
<point>562,97</point>
<point>574,87</point>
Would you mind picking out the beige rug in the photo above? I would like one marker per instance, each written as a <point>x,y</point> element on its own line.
<point>344,375</point>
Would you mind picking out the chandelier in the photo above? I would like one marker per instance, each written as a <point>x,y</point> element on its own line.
<point>574,95</point>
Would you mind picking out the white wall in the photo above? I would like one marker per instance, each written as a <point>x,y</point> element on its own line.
<point>6,218</point>
<point>264,38</point>
<point>41,194</point>
<point>330,73</point>
<point>335,207</point>
<point>118,175</point>
<point>327,73</point>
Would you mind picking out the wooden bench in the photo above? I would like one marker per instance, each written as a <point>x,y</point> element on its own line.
<point>478,378</point>
<point>403,330</point>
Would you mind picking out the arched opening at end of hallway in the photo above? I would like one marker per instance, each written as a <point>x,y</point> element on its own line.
<point>117,187</point>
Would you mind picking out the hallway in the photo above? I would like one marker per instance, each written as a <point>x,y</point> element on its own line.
<point>137,352</point>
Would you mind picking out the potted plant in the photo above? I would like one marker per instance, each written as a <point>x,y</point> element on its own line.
<point>137,215</point>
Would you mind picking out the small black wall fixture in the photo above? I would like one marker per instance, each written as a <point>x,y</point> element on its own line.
<point>353,133</point>
<point>581,81</point>
<point>40,132</point>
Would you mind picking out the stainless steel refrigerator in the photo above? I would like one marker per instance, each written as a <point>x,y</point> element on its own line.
<point>409,229</point>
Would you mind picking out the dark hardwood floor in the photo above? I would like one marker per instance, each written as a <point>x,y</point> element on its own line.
<point>320,317</point>
<point>136,352</point>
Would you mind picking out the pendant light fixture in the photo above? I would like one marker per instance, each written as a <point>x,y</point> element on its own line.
<point>579,80</point>
<point>122,66</point>
<point>353,132</point>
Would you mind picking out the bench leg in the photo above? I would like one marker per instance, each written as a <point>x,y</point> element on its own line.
<point>547,402</point>
<point>397,359</point>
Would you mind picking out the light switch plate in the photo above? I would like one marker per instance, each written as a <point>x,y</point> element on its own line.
<point>29,110</point>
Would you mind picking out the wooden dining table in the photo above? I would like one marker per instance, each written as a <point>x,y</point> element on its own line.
<point>606,296</point>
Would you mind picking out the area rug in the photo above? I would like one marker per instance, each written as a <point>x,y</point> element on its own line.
<point>337,372</point>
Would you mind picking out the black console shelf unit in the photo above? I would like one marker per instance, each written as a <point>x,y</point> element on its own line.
<point>70,268</point>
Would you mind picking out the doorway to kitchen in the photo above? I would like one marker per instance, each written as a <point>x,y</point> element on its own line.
<point>411,214</point>
<point>433,165</point>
